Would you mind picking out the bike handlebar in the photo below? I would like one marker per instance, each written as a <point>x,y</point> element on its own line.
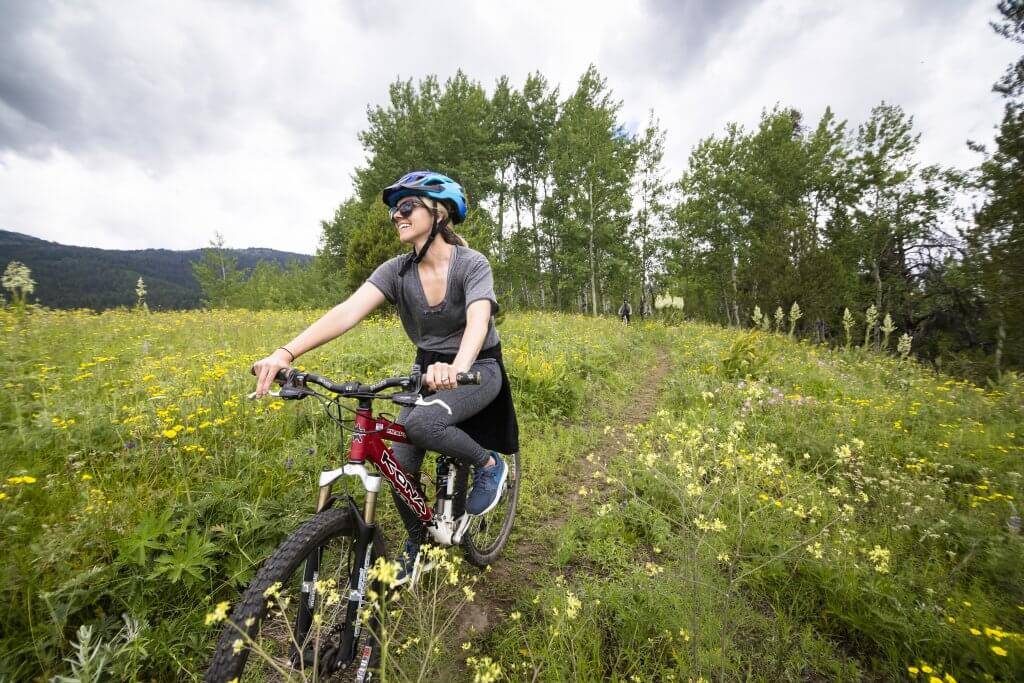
<point>293,384</point>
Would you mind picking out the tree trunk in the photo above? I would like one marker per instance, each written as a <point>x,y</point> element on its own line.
<point>501,208</point>
<point>643,257</point>
<point>515,203</point>
<point>1000,341</point>
<point>876,273</point>
<point>536,240</point>
<point>735,290</point>
<point>593,256</point>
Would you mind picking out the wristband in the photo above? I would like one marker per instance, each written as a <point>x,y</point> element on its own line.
<point>288,352</point>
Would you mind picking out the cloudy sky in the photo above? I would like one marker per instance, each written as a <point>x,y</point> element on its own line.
<point>152,124</point>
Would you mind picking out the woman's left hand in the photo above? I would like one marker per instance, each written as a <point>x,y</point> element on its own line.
<point>440,376</point>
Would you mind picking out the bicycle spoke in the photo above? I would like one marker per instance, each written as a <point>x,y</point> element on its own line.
<point>488,534</point>
<point>277,637</point>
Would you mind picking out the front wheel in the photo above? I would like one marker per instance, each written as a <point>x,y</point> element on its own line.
<point>487,534</point>
<point>297,616</point>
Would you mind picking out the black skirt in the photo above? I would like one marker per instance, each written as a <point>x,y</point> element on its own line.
<point>495,427</point>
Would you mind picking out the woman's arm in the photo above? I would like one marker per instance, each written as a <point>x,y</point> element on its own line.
<point>478,317</point>
<point>331,325</point>
<point>338,320</point>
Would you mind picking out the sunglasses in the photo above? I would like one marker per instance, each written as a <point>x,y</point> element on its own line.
<point>404,208</point>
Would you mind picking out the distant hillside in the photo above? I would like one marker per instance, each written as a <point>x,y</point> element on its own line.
<point>85,277</point>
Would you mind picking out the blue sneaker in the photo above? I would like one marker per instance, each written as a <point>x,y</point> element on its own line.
<point>488,483</point>
<point>407,559</point>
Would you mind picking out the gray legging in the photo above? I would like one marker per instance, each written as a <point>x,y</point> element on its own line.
<point>432,428</point>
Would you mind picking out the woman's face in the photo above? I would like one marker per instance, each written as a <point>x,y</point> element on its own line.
<point>416,226</point>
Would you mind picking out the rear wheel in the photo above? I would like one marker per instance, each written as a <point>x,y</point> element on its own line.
<point>487,534</point>
<point>307,577</point>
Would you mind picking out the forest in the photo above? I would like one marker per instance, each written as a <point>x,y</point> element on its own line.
<point>577,212</point>
<point>751,480</point>
<point>65,276</point>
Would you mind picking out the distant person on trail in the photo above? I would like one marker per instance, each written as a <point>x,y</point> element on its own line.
<point>625,311</point>
<point>444,293</point>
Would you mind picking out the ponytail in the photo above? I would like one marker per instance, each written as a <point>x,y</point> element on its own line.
<point>452,237</point>
<point>440,209</point>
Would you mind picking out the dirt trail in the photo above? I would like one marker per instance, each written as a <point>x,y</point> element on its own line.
<point>531,559</point>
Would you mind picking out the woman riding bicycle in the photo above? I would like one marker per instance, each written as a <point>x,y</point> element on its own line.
<point>444,293</point>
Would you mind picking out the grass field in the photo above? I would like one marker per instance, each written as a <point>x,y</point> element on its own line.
<point>842,516</point>
<point>785,512</point>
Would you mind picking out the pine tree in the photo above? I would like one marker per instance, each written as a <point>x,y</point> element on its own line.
<point>218,275</point>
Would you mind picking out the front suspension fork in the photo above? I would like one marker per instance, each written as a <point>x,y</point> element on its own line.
<point>363,543</point>
<point>371,484</point>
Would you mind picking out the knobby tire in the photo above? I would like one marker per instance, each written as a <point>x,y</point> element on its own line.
<point>482,546</point>
<point>286,566</point>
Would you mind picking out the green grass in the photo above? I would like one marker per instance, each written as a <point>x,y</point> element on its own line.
<point>836,516</point>
<point>832,516</point>
<point>137,481</point>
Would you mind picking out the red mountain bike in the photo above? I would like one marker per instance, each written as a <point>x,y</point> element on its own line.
<point>323,565</point>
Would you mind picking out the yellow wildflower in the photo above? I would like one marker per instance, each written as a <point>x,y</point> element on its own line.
<point>219,613</point>
<point>572,605</point>
<point>385,572</point>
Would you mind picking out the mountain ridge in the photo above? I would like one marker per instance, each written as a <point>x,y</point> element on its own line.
<point>69,276</point>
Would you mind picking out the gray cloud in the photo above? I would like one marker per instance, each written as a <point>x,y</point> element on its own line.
<point>153,124</point>
<point>32,97</point>
<point>86,79</point>
<point>680,33</point>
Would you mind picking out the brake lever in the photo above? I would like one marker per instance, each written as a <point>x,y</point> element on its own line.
<point>293,392</point>
<point>253,396</point>
<point>417,380</point>
<point>433,401</point>
<point>413,397</point>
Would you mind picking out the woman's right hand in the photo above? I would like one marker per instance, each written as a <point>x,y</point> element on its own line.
<point>266,370</point>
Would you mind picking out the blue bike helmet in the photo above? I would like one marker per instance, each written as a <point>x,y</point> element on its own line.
<point>429,184</point>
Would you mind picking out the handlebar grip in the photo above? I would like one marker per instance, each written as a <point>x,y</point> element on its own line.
<point>467,378</point>
<point>282,374</point>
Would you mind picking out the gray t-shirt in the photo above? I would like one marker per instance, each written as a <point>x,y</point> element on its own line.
<point>440,327</point>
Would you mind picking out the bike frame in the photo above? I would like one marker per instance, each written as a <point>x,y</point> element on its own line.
<point>368,444</point>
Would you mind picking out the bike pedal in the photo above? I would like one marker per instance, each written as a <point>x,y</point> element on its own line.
<point>414,576</point>
<point>307,659</point>
<point>418,571</point>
